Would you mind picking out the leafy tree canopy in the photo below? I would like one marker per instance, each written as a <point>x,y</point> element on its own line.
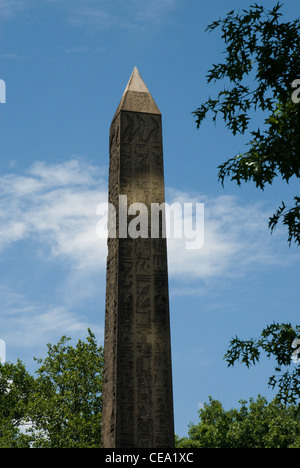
<point>15,388</point>
<point>62,405</point>
<point>256,424</point>
<point>262,65</point>
<point>282,342</point>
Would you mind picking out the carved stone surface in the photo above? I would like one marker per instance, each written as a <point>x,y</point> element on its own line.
<point>137,387</point>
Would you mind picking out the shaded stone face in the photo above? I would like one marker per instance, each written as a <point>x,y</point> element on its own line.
<point>137,392</point>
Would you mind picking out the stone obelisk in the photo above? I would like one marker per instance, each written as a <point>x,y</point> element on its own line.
<point>137,384</point>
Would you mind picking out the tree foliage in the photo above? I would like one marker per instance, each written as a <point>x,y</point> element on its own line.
<point>262,62</point>
<point>15,389</point>
<point>66,404</point>
<point>62,404</point>
<point>282,342</point>
<point>256,424</point>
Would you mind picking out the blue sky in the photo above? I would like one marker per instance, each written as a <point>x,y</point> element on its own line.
<point>66,64</point>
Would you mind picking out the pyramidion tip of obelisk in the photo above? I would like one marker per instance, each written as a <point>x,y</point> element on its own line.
<point>137,97</point>
<point>136,83</point>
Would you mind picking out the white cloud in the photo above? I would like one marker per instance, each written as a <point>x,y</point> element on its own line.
<point>153,10</point>
<point>106,14</point>
<point>8,8</point>
<point>55,204</point>
<point>31,324</point>
<point>118,14</point>
<point>236,238</point>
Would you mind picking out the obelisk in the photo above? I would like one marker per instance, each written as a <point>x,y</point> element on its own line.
<point>137,384</point>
